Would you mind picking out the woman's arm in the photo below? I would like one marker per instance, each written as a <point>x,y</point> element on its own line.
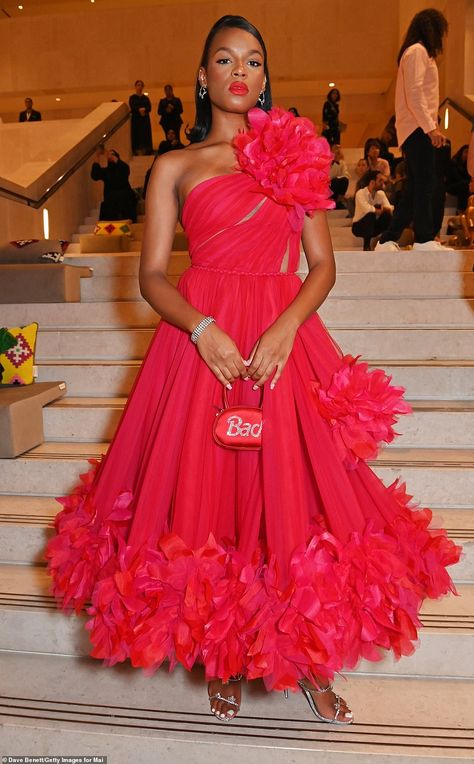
<point>216,348</point>
<point>274,346</point>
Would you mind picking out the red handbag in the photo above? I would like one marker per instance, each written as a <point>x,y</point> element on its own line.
<point>239,427</point>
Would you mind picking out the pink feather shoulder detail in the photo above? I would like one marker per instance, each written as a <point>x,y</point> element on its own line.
<point>288,161</point>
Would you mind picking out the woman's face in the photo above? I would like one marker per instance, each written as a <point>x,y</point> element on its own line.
<point>139,87</point>
<point>373,152</point>
<point>361,167</point>
<point>235,74</point>
<point>334,96</point>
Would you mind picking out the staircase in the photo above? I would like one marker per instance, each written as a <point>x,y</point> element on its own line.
<point>409,313</point>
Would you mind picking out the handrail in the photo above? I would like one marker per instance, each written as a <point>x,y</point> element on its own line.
<point>462,111</point>
<point>37,203</point>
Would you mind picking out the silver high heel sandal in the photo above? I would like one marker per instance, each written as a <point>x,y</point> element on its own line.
<point>231,700</point>
<point>307,692</point>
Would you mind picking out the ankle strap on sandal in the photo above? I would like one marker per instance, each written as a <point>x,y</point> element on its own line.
<point>314,689</point>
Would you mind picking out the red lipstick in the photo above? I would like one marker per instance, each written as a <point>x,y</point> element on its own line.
<point>239,88</point>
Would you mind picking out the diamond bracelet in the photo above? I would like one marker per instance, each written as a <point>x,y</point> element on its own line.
<point>198,330</point>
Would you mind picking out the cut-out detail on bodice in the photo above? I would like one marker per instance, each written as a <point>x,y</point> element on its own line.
<point>234,226</point>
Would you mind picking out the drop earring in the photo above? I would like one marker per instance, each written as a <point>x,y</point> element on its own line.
<point>202,91</point>
<point>261,98</point>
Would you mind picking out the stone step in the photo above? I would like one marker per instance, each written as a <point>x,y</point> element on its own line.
<point>335,312</point>
<point>433,424</point>
<point>430,380</point>
<point>369,342</point>
<point>25,597</point>
<point>121,713</point>
<point>435,476</point>
<point>410,284</point>
<point>126,264</point>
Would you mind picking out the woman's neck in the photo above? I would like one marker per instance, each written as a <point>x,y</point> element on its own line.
<point>225,126</point>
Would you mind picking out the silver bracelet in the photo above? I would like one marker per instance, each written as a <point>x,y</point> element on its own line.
<point>198,330</point>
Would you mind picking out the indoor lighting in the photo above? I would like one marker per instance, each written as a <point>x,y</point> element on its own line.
<point>58,99</point>
<point>45,224</point>
<point>332,84</point>
<point>20,7</point>
<point>145,93</point>
<point>446,118</point>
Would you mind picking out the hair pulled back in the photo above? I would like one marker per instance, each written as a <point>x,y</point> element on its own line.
<point>203,119</point>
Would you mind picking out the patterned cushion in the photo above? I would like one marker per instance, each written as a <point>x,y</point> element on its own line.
<point>113,228</point>
<point>33,251</point>
<point>16,363</point>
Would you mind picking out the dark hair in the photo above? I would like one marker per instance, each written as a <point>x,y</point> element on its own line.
<point>294,111</point>
<point>203,119</point>
<point>368,177</point>
<point>427,27</point>
<point>458,155</point>
<point>115,153</point>
<point>333,90</point>
<point>368,145</point>
<point>139,81</point>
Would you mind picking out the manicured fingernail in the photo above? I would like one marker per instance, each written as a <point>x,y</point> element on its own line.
<point>255,387</point>
<point>272,386</point>
<point>247,362</point>
<point>229,386</point>
<point>245,378</point>
<point>222,716</point>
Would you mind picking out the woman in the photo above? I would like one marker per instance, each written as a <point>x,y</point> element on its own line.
<point>372,156</point>
<point>287,562</point>
<point>140,106</point>
<point>416,108</point>
<point>458,178</point>
<point>120,202</point>
<point>331,124</point>
<point>170,109</point>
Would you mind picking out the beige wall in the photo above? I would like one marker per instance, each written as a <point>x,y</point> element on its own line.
<point>91,56</point>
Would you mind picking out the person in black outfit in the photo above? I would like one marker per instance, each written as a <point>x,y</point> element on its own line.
<point>170,109</point>
<point>331,123</point>
<point>442,163</point>
<point>140,106</point>
<point>29,114</point>
<point>458,178</point>
<point>172,143</point>
<point>120,202</point>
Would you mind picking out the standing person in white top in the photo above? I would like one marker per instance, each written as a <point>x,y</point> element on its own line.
<point>416,110</point>
<point>373,211</point>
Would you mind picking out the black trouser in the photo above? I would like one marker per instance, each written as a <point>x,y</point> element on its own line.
<point>339,187</point>
<point>416,202</point>
<point>461,190</point>
<point>371,225</point>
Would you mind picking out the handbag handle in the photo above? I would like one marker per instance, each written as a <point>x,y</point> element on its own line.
<point>226,397</point>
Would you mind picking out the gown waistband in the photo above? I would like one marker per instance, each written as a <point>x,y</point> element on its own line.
<point>234,272</point>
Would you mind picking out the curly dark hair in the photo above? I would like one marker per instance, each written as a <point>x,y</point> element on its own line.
<point>427,27</point>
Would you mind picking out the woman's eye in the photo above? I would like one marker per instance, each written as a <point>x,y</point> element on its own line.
<point>255,63</point>
<point>223,60</point>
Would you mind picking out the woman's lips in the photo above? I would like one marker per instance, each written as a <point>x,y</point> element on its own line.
<point>239,88</point>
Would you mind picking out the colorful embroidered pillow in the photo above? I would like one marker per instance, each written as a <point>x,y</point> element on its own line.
<point>33,251</point>
<point>17,363</point>
<point>113,228</point>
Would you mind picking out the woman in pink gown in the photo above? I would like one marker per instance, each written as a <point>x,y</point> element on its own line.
<point>289,563</point>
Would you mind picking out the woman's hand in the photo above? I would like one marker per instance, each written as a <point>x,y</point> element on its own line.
<point>221,354</point>
<point>271,353</point>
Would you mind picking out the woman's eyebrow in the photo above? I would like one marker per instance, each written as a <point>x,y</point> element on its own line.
<point>249,53</point>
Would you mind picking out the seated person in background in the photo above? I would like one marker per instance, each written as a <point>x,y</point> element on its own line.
<point>372,151</point>
<point>384,141</point>
<point>360,169</point>
<point>373,211</point>
<point>398,184</point>
<point>172,143</point>
<point>339,175</point>
<point>120,202</point>
<point>458,178</point>
<point>294,111</point>
<point>29,114</point>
